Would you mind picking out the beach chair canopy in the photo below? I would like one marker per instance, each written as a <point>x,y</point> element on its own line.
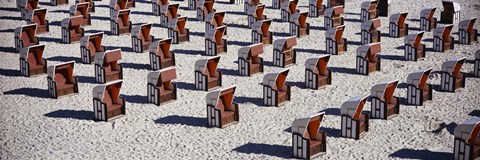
<point>66,66</point>
<point>335,33</point>
<point>353,107</point>
<point>109,91</point>
<point>122,4</point>
<point>262,26</point>
<point>371,25</point>
<point>32,53</point>
<point>26,31</point>
<point>285,43</point>
<point>142,31</point>
<point>72,21</point>
<point>384,90</point>
<point>419,78</point>
<point>161,47</point>
<point>334,11</point>
<point>428,13</point>
<point>451,6</point>
<point>208,66</point>
<point>453,66</point>
<point>38,16</point>
<point>79,9</point>
<point>92,40</point>
<point>290,5</point>
<point>215,34</point>
<point>123,14</point>
<point>108,56</point>
<point>468,130</point>
<point>215,18</point>
<point>366,4</point>
<point>29,4</point>
<point>443,32</point>
<point>399,18</point>
<point>369,50</point>
<point>308,126</point>
<point>299,18</point>
<point>222,98</point>
<point>250,51</point>
<point>414,39</point>
<point>162,2</point>
<point>157,78</point>
<point>276,80</point>
<point>178,24</point>
<point>467,25</point>
<point>256,10</point>
<point>318,65</point>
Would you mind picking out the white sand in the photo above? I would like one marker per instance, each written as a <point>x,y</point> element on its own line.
<point>33,126</point>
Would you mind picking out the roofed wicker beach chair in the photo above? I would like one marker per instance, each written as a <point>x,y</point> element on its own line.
<point>383,7</point>
<point>177,30</point>
<point>384,104</point>
<point>91,4</point>
<point>452,77</point>
<point>72,30</point>
<point>25,6</point>
<point>261,33</point>
<point>418,90</point>
<point>298,24</point>
<point>25,36</point>
<point>214,20</point>
<point>120,22</point>
<point>38,16</point>
<point>215,43</point>
<point>370,32</point>
<point>160,88</point>
<point>221,110</point>
<point>32,61</point>
<point>206,74</point>
<point>288,8</point>
<point>167,13</point>
<point>368,10</point>
<point>284,53</point>
<point>466,31</point>
<point>414,48</point>
<point>397,25</point>
<point>476,70</point>
<point>90,45</point>
<point>107,66</point>
<point>204,7</point>
<point>161,55</point>
<point>316,72</point>
<point>108,105</point>
<point>61,80</point>
<point>450,13</point>
<point>354,122</point>
<point>81,9</point>
<point>255,13</point>
<point>308,141</point>
<point>367,59</point>
<point>427,19</point>
<point>333,17</point>
<point>335,44</point>
<point>442,39</point>
<point>250,3</point>
<point>249,60</point>
<point>467,140</point>
<point>275,90</point>
<point>316,8</point>
<point>157,5</point>
<point>141,37</point>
